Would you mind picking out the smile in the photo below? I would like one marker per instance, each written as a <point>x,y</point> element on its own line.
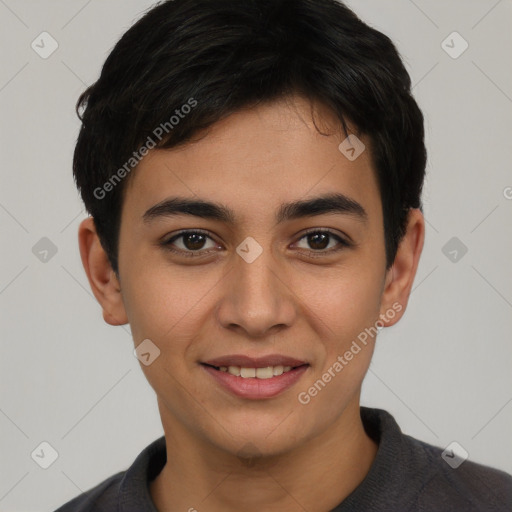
<point>255,383</point>
<point>266,372</point>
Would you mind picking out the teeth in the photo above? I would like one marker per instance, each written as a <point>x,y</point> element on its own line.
<point>264,373</point>
<point>278,370</point>
<point>234,370</point>
<point>259,373</point>
<point>247,372</point>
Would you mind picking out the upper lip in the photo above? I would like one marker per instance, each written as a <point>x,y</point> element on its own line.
<point>254,362</point>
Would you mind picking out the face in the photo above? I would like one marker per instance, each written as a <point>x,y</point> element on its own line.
<point>248,276</point>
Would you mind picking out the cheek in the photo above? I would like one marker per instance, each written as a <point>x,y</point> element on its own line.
<point>343,301</point>
<point>345,312</point>
<point>165,308</point>
<point>344,309</point>
<point>161,301</point>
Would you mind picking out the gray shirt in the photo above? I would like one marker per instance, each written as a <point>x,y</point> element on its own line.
<point>406,475</point>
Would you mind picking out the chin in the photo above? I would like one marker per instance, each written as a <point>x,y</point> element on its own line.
<point>264,439</point>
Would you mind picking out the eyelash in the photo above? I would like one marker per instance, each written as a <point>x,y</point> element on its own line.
<point>167,244</point>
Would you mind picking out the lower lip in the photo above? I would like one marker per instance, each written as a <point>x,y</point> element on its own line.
<point>255,388</point>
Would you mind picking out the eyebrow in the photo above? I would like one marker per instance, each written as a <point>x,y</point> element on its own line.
<point>326,204</point>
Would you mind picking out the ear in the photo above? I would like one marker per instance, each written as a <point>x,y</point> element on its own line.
<point>102,278</point>
<point>400,276</point>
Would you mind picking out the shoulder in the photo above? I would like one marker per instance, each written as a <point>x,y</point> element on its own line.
<point>127,490</point>
<point>101,498</point>
<point>410,475</point>
<point>469,486</point>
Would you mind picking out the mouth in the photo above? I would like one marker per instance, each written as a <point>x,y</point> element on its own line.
<point>265,372</point>
<point>255,378</point>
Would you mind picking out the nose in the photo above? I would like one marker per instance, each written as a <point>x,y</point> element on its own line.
<point>256,300</point>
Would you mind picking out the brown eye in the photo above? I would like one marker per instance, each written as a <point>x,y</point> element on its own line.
<point>318,241</point>
<point>193,241</point>
<point>323,241</point>
<point>189,242</point>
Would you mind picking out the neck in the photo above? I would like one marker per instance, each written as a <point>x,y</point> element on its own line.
<point>317,475</point>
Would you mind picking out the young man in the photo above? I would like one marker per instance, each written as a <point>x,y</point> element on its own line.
<point>253,170</point>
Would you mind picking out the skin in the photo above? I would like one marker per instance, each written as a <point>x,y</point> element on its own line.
<point>226,453</point>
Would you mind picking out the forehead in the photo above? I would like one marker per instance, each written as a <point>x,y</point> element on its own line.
<point>255,160</point>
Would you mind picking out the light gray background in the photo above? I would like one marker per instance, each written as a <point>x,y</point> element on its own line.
<point>69,379</point>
